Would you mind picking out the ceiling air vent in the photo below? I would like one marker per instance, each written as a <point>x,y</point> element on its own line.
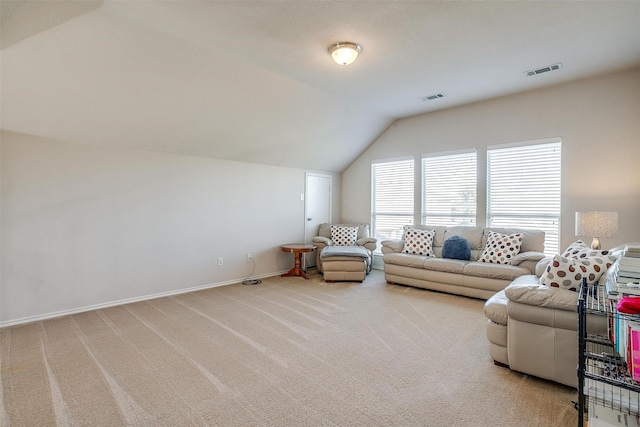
<point>542,70</point>
<point>431,97</point>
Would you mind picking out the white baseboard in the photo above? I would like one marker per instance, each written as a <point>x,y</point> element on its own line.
<point>41,317</point>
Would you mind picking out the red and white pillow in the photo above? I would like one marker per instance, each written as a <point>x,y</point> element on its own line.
<point>568,273</point>
<point>577,262</point>
<point>501,248</point>
<point>579,249</point>
<point>418,242</point>
<point>343,235</point>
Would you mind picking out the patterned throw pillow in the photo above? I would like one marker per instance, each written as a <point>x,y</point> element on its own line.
<point>567,273</point>
<point>579,249</point>
<point>418,242</point>
<point>343,235</point>
<point>501,248</point>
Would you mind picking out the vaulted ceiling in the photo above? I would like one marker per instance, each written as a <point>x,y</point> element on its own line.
<point>252,80</point>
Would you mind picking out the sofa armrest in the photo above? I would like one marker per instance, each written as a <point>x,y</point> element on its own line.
<point>325,241</point>
<point>527,260</point>
<point>366,240</point>
<point>390,246</point>
<point>321,242</point>
<point>369,243</point>
<point>527,256</point>
<point>542,296</point>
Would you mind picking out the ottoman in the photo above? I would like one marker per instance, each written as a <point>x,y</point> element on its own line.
<point>348,263</point>
<point>495,309</point>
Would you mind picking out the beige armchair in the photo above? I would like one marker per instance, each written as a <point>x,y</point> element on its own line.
<point>344,262</point>
<point>533,328</point>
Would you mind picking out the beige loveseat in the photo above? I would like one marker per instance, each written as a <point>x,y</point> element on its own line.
<point>469,278</point>
<point>533,328</point>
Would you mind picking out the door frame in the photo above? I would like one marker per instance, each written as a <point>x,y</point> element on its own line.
<point>306,201</point>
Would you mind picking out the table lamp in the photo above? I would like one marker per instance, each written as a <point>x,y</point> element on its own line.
<point>596,225</point>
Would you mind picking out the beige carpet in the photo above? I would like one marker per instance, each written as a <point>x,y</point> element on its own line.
<point>287,352</point>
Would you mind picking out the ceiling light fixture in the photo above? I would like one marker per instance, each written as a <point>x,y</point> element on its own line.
<point>344,53</point>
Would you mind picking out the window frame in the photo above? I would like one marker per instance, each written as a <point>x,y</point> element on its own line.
<point>407,206</point>
<point>448,166</point>
<point>543,185</point>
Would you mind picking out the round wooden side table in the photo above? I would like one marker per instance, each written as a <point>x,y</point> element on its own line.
<point>297,249</point>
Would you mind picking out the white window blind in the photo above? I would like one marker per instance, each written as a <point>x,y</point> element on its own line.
<point>523,189</point>
<point>449,189</point>
<point>391,198</point>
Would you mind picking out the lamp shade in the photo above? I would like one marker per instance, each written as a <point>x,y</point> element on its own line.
<point>596,225</point>
<point>344,53</point>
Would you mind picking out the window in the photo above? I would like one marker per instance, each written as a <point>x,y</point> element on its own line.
<point>523,189</point>
<point>391,198</point>
<point>449,189</point>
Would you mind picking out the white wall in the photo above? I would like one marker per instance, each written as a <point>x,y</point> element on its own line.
<point>598,120</point>
<point>83,226</point>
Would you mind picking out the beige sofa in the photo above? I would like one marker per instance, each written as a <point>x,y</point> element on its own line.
<point>533,328</point>
<point>468,278</point>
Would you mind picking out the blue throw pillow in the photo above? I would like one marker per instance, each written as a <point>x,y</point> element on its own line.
<point>456,247</point>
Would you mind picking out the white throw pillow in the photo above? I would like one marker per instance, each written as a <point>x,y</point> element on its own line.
<point>501,248</point>
<point>418,242</point>
<point>344,235</point>
<point>567,273</point>
<point>579,249</point>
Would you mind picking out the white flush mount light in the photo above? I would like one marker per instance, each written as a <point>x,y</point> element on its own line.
<point>344,53</point>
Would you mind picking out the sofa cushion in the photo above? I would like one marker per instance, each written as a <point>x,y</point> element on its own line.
<point>405,260</point>
<point>344,235</point>
<point>494,271</point>
<point>343,251</point>
<point>473,235</point>
<point>501,248</point>
<point>418,242</point>
<point>445,265</point>
<point>456,247</point>
<point>568,273</point>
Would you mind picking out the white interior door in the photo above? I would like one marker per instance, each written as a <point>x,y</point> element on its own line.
<point>317,209</point>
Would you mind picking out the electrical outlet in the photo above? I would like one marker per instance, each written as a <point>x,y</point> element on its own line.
<point>220,261</point>
<point>248,257</point>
